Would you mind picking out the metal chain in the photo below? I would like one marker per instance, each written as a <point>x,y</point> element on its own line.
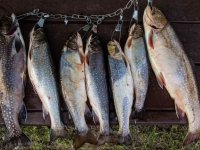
<point>92,19</point>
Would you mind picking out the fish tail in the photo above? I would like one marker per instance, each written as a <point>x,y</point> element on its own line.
<point>21,140</point>
<point>138,114</point>
<point>109,138</point>
<point>56,133</point>
<point>80,139</point>
<point>191,137</point>
<point>124,139</point>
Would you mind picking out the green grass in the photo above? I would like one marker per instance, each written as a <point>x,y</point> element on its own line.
<point>163,137</point>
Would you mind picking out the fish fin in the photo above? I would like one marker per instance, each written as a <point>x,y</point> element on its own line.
<point>106,138</point>
<point>150,40</point>
<point>18,43</point>
<point>87,112</point>
<point>86,59</point>
<point>82,56</point>
<point>161,80</point>
<point>80,139</point>
<point>54,134</point>
<point>191,137</point>
<point>179,112</point>
<point>138,114</point>
<point>125,60</point>
<point>95,117</point>
<point>21,140</point>
<point>45,113</point>
<point>124,139</point>
<point>23,112</point>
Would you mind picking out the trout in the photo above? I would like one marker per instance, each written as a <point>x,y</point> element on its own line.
<point>13,81</point>
<point>172,69</point>
<point>135,52</point>
<point>72,76</point>
<point>96,84</point>
<point>42,75</point>
<point>122,89</point>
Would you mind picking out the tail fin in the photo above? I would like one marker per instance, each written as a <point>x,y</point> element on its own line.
<point>80,139</point>
<point>190,137</point>
<point>124,139</point>
<point>21,140</point>
<point>138,114</point>
<point>109,138</point>
<point>54,134</point>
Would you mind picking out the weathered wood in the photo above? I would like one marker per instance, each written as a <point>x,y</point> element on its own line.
<point>153,117</point>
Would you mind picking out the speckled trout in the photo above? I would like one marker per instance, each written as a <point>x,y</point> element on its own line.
<point>13,81</point>
<point>135,52</point>
<point>42,75</point>
<point>72,76</point>
<point>122,89</point>
<point>173,69</point>
<point>97,86</point>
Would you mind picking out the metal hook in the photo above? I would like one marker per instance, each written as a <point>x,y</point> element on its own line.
<point>40,23</point>
<point>150,2</point>
<point>135,14</point>
<point>66,21</point>
<point>85,28</point>
<point>118,27</point>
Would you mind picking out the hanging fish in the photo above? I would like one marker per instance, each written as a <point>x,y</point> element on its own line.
<point>97,86</point>
<point>173,69</point>
<point>122,89</point>
<point>72,76</point>
<point>13,81</point>
<point>42,75</point>
<point>135,52</point>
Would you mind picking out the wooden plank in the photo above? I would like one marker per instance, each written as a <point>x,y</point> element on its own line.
<point>153,118</point>
<point>179,10</point>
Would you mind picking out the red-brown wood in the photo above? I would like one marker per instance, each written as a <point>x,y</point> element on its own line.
<point>184,17</point>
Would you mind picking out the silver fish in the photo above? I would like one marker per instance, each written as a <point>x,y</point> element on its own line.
<point>173,69</point>
<point>42,75</point>
<point>97,86</point>
<point>72,76</point>
<point>135,52</point>
<point>13,80</point>
<point>122,89</point>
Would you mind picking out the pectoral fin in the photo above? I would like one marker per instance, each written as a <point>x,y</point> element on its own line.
<point>179,112</point>
<point>161,80</point>
<point>150,40</point>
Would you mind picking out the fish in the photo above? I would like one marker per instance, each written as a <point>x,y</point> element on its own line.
<point>173,69</point>
<point>42,75</point>
<point>96,85</point>
<point>122,89</point>
<point>13,81</point>
<point>73,88</point>
<point>135,52</point>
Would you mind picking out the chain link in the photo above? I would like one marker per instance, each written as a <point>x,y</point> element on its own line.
<point>97,19</point>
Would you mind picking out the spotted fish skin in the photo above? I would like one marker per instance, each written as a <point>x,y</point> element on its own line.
<point>13,80</point>
<point>122,89</point>
<point>42,75</point>
<point>173,69</point>
<point>135,52</point>
<point>97,86</point>
<point>72,76</point>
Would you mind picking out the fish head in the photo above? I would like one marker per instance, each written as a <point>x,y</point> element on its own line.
<point>94,43</point>
<point>37,36</point>
<point>114,49</point>
<point>74,41</point>
<point>154,18</point>
<point>136,31</point>
<point>8,25</point>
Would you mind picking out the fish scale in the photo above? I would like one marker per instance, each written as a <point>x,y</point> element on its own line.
<point>97,89</point>
<point>122,89</point>
<point>42,75</point>
<point>12,66</point>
